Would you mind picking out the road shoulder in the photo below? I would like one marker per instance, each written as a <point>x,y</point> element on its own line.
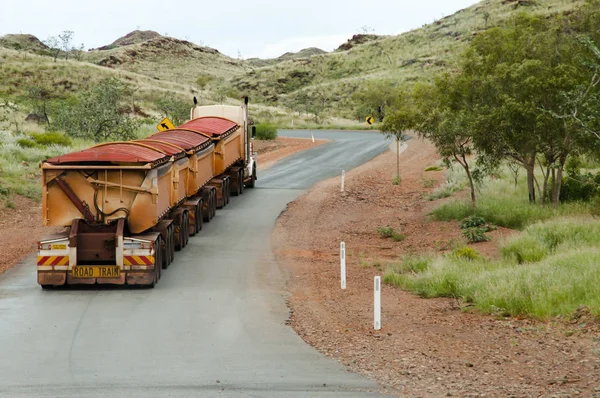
<point>427,347</point>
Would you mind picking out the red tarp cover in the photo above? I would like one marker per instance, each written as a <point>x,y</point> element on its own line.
<point>117,152</point>
<point>185,139</point>
<point>214,126</point>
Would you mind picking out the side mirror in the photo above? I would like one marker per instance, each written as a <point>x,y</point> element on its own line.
<point>253,131</point>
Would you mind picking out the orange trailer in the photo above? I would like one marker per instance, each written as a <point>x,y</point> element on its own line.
<point>128,206</point>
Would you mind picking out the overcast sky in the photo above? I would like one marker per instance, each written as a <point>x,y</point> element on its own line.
<point>252,28</point>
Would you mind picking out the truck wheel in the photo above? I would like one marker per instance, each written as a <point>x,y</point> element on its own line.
<point>214,206</point>
<point>48,287</point>
<point>157,261</point>
<point>172,237</point>
<point>241,180</point>
<point>198,219</point>
<point>227,192</point>
<point>252,182</point>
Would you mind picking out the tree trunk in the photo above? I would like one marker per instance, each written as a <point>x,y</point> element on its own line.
<point>557,185</point>
<point>465,164</point>
<point>530,182</point>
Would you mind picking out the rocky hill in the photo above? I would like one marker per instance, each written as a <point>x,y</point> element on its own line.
<point>165,58</point>
<point>397,60</point>
<point>135,37</point>
<point>23,42</point>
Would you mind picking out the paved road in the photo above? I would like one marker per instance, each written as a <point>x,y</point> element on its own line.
<point>214,325</point>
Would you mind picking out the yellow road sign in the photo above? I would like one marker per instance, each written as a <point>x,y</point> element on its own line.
<point>370,120</point>
<point>165,124</point>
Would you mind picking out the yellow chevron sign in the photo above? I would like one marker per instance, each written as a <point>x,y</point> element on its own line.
<point>165,124</point>
<point>370,120</point>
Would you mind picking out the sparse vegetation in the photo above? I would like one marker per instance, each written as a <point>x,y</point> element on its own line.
<point>561,273</point>
<point>266,131</point>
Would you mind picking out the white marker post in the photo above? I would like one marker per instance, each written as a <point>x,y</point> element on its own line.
<point>343,264</point>
<point>343,176</point>
<point>313,137</point>
<point>377,304</point>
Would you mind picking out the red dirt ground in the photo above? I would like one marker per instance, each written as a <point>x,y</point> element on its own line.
<point>427,347</point>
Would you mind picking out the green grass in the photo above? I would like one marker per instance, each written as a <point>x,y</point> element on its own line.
<point>549,270</point>
<point>503,204</point>
<point>19,165</point>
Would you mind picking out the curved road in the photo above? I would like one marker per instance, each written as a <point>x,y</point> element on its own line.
<point>215,325</point>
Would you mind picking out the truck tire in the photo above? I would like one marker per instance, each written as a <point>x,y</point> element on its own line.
<point>172,239</point>
<point>241,180</point>
<point>252,182</point>
<point>157,260</point>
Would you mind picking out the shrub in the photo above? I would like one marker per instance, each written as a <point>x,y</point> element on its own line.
<point>397,236</point>
<point>429,183</point>
<point>396,180</point>
<point>51,138</point>
<point>466,253</point>
<point>385,232</point>
<point>26,143</point>
<point>475,234</point>
<point>434,168</point>
<point>472,221</point>
<point>266,131</point>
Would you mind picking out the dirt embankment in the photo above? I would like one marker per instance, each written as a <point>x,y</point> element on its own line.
<point>21,225</point>
<point>270,152</point>
<point>427,347</point>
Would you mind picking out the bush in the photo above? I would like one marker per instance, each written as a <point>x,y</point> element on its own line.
<point>475,234</point>
<point>472,221</point>
<point>385,232</point>
<point>266,131</point>
<point>465,253</point>
<point>561,274</point>
<point>397,236</point>
<point>26,143</point>
<point>51,138</point>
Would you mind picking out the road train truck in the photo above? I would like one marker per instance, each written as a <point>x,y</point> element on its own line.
<point>128,206</point>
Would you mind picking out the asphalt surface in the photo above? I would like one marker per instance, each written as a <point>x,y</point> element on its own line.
<point>215,325</point>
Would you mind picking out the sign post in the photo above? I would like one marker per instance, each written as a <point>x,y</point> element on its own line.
<point>343,264</point>
<point>377,303</point>
<point>343,177</point>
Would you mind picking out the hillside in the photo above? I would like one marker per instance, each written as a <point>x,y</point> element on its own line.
<point>23,42</point>
<point>405,58</point>
<point>165,58</point>
<point>131,38</point>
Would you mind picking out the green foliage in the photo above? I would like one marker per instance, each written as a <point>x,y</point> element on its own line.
<point>561,272</point>
<point>580,186</point>
<point>266,131</point>
<point>98,113</point>
<point>388,232</point>
<point>433,168</point>
<point>176,110</point>
<point>398,237</point>
<point>203,80</point>
<point>465,253</point>
<point>475,234</point>
<point>472,221</point>
<point>50,138</point>
<point>506,205</point>
<point>396,180</point>
<point>385,232</point>
<point>26,143</point>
